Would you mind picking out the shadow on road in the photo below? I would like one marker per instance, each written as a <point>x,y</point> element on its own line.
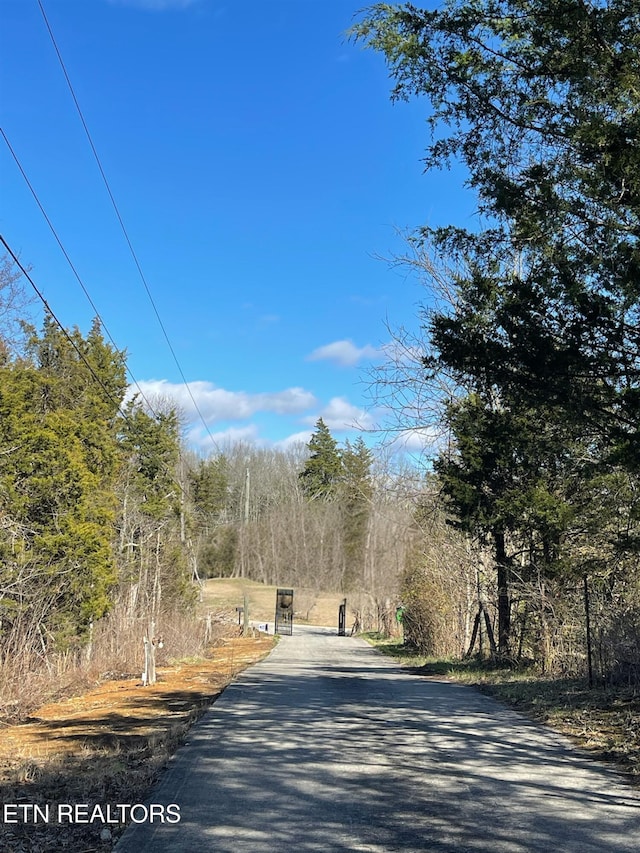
<point>346,752</point>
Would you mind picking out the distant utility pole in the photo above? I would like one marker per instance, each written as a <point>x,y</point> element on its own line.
<point>247,489</point>
<point>245,615</point>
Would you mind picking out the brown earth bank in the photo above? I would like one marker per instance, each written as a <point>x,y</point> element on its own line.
<point>107,746</point>
<point>104,748</point>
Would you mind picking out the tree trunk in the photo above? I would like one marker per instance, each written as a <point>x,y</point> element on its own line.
<point>504,602</point>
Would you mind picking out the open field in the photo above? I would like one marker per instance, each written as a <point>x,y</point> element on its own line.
<point>310,606</point>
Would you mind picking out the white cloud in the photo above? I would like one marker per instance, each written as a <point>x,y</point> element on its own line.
<point>291,440</point>
<point>340,415</point>
<point>217,404</point>
<point>232,412</point>
<point>426,440</point>
<point>291,401</point>
<point>197,436</point>
<point>344,353</point>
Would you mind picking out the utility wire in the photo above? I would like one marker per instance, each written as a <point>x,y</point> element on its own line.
<point>122,225</point>
<point>51,313</point>
<point>117,403</point>
<point>73,268</point>
<point>170,476</point>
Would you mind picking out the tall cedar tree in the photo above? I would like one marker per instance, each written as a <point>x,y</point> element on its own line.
<point>357,491</point>
<point>541,101</point>
<point>152,509</point>
<point>59,462</point>
<point>322,472</point>
<point>216,541</point>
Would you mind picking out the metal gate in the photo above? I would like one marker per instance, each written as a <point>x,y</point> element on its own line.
<point>284,611</point>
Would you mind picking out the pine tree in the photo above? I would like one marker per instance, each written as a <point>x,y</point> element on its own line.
<point>540,102</point>
<point>152,524</point>
<point>209,482</point>
<point>215,539</point>
<point>323,469</point>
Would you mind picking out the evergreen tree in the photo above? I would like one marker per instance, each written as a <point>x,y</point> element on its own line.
<point>508,479</point>
<point>541,103</point>
<point>58,467</point>
<point>216,540</point>
<point>153,552</point>
<point>322,472</point>
<point>151,444</point>
<point>209,484</point>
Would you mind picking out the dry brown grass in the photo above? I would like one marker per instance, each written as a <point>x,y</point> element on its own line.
<point>604,721</point>
<point>116,650</point>
<point>108,745</point>
<point>89,734</point>
<point>310,606</point>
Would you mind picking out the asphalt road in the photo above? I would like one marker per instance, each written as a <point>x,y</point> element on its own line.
<point>328,746</point>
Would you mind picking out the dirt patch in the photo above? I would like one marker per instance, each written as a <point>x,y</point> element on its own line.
<point>104,747</point>
<point>109,745</point>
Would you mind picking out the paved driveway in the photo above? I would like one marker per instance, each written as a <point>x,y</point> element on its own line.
<point>328,746</point>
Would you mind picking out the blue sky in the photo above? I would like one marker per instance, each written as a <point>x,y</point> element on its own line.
<point>259,168</point>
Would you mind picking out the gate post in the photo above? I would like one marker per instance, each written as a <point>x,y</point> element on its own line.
<point>342,618</point>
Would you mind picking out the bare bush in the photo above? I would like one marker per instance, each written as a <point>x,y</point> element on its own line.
<point>115,650</point>
<point>440,586</point>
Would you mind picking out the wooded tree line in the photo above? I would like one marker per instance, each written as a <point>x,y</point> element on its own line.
<point>317,517</point>
<point>330,517</point>
<point>90,501</point>
<point>109,522</point>
<point>530,347</point>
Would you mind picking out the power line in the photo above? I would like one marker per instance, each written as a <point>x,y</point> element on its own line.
<point>117,403</point>
<point>121,222</point>
<point>73,268</point>
<point>51,313</point>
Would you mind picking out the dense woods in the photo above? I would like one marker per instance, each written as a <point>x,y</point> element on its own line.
<point>531,319</point>
<point>110,523</point>
<point>89,501</point>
